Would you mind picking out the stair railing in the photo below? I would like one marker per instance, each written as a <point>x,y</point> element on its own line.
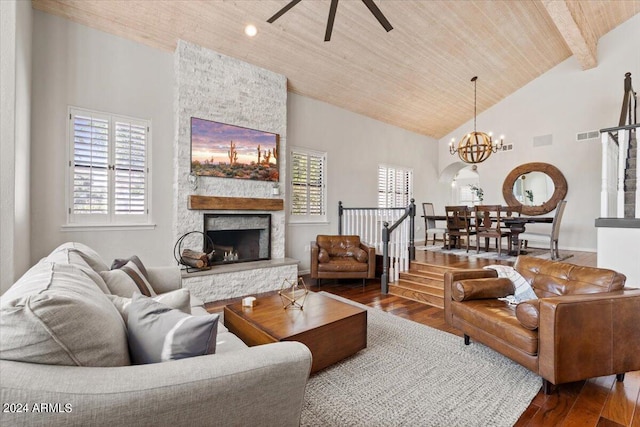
<point>372,225</point>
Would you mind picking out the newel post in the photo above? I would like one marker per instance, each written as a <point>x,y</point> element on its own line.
<point>412,230</point>
<point>340,212</point>
<point>384,279</point>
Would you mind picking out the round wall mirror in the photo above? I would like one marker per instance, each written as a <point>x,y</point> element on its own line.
<point>537,187</point>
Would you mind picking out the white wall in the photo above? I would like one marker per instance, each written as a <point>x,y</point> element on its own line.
<point>78,66</point>
<point>355,145</point>
<point>15,82</point>
<point>561,102</point>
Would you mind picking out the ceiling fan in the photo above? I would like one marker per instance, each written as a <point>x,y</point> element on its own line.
<point>332,15</point>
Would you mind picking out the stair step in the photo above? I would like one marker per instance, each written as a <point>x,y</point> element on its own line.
<point>416,296</point>
<point>417,275</point>
<point>437,291</point>
<point>428,281</point>
<point>432,268</point>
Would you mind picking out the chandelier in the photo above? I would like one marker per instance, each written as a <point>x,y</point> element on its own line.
<point>475,147</point>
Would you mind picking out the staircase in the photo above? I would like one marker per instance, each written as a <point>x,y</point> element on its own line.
<point>423,283</point>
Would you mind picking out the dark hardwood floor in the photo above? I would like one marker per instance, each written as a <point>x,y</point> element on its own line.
<point>601,402</point>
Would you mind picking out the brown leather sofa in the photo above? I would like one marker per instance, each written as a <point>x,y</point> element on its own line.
<point>583,325</point>
<point>342,257</point>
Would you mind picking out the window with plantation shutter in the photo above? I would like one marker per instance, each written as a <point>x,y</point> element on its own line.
<point>395,186</point>
<point>108,169</point>
<point>308,185</point>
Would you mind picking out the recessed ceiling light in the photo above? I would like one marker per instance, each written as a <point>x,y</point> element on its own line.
<point>250,30</point>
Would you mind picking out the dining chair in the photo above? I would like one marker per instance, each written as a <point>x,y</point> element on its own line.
<point>488,226</point>
<point>552,238</point>
<point>430,224</point>
<point>458,225</point>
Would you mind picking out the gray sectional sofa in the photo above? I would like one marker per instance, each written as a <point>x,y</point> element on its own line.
<point>64,359</point>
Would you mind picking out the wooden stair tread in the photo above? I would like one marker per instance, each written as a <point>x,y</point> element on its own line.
<point>431,290</point>
<point>416,296</point>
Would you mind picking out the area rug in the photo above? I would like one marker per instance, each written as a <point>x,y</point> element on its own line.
<point>414,375</point>
<point>537,253</point>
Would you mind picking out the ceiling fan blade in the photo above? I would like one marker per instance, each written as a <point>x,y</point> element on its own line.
<point>332,17</point>
<point>283,11</point>
<point>378,14</point>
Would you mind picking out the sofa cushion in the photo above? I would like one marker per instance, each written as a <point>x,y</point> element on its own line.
<point>523,290</point>
<point>339,245</point>
<point>73,256</point>
<point>158,333</point>
<point>551,278</point>
<point>127,280</point>
<point>56,315</point>
<point>179,299</point>
<point>528,314</point>
<point>227,342</point>
<point>89,255</point>
<point>497,318</point>
<point>343,264</point>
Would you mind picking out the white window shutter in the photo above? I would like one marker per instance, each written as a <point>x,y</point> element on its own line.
<point>130,168</point>
<point>308,186</point>
<point>90,165</point>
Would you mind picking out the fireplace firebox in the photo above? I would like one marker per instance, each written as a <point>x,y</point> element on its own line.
<point>238,237</point>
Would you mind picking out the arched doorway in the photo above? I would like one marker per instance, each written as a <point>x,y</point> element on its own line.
<point>459,177</point>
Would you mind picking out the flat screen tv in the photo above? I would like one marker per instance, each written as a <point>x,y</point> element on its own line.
<point>227,151</point>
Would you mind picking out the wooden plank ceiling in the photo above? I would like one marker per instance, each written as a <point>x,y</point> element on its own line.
<point>416,77</point>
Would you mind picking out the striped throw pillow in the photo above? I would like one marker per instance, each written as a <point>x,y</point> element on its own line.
<point>127,280</point>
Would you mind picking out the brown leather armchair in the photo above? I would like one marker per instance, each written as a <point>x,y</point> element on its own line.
<point>342,257</point>
<point>584,324</point>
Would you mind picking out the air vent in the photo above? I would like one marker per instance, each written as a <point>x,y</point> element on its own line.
<point>542,140</point>
<point>586,136</point>
<point>506,147</point>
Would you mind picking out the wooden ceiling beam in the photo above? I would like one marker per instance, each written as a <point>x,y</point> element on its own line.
<point>575,29</point>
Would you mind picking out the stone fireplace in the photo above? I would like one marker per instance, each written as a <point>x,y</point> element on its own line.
<point>216,87</point>
<point>238,237</point>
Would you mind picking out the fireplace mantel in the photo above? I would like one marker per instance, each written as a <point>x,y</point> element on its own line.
<point>234,203</point>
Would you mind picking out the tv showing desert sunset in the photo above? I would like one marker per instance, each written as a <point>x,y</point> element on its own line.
<point>227,151</point>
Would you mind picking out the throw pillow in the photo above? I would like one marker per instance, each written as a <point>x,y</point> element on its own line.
<point>121,262</point>
<point>179,299</point>
<point>323,256</point>
<point>528,314</point>
<point>360,255</point>
<point>523,290</point>
<point>158,333</point>
<point>127,280</point>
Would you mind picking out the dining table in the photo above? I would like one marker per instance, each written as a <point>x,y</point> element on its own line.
<point>516,224</point>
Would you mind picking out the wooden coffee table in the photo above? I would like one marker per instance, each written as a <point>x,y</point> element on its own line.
<point>330,328</point>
